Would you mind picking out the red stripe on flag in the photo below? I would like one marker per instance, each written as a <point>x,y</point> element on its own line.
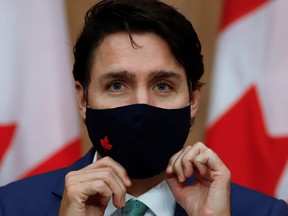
<point>6,135</point>
<point>234,9</point>
<point>66,156</point>
<point>241,140</point>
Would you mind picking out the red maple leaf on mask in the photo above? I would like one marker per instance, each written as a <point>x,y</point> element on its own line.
<point>105,143</point>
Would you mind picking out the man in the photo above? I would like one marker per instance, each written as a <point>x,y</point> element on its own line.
<point>137,69</point>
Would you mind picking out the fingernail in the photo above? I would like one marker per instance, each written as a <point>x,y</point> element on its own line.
<point>128,182</point>
<point>168,170</point>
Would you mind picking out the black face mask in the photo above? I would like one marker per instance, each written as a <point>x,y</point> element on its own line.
<point>140,137</point>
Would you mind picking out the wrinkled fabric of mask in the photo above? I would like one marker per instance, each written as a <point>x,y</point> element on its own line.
<point>140,137</point>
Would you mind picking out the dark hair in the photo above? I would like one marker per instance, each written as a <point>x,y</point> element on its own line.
<point>138,16</point>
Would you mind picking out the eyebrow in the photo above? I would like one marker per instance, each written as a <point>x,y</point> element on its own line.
<point>118,75</point>
<point>164,74</point>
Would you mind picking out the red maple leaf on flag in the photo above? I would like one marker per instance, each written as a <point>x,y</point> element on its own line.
<point>255,158</point>
<point>6,134</point>
<point>105,143</point>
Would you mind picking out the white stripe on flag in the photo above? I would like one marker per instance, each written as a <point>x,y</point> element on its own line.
<point>36,87</point>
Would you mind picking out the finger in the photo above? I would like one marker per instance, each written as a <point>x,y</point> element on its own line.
<point>187,160</point>
<point>80,193</point>
<point>82,176</point>
<point>107,175</point>
<point>175,164</point>
<point>210,165</point>
<point>182,162</point>
<point>109,162</point>
<point>169,169</point>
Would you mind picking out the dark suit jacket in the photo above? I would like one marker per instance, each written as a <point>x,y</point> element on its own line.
<point>41,195</point>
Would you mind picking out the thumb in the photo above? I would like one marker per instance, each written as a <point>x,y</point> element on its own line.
<point>174,185</point>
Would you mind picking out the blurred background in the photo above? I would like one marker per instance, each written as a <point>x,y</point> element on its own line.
<point>243,107</point>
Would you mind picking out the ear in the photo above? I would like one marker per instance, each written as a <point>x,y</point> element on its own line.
<point>81,101</point>
<point>195,97</point>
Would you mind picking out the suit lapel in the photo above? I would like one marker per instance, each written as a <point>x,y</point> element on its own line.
<point>179,211</point>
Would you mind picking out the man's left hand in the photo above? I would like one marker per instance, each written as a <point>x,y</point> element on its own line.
<point>209,193</point>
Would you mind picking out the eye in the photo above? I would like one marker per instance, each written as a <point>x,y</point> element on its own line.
<point>115,86</point>
<point>163,87</point>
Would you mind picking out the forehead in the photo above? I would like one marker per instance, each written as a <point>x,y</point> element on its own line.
<point>150,53</point>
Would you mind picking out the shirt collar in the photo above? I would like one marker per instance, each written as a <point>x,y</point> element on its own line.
<point>159,199</point>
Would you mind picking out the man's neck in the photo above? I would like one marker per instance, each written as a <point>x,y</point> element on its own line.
<point>140,186</point>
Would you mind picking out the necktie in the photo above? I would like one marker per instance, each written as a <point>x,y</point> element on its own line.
<point>134,208</point>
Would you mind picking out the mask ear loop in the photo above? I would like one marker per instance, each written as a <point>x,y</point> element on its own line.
<point>190,92</point>
<point>190,101</point>
<point>86,96</point>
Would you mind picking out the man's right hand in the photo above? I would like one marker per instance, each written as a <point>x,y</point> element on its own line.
<point>88,191</point>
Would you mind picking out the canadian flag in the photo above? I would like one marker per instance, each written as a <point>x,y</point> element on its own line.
<point>248,116</point>
<point>38,117</point>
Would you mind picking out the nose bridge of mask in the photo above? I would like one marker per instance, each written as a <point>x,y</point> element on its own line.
<point>139,126</point>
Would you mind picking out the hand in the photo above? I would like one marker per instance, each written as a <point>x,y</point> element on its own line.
<point>209,193</point>
<point>88,191</point>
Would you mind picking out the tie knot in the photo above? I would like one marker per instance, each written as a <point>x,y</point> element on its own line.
<point>134,208</point>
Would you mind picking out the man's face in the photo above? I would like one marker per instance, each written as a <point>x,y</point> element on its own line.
<point>122,74</point>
